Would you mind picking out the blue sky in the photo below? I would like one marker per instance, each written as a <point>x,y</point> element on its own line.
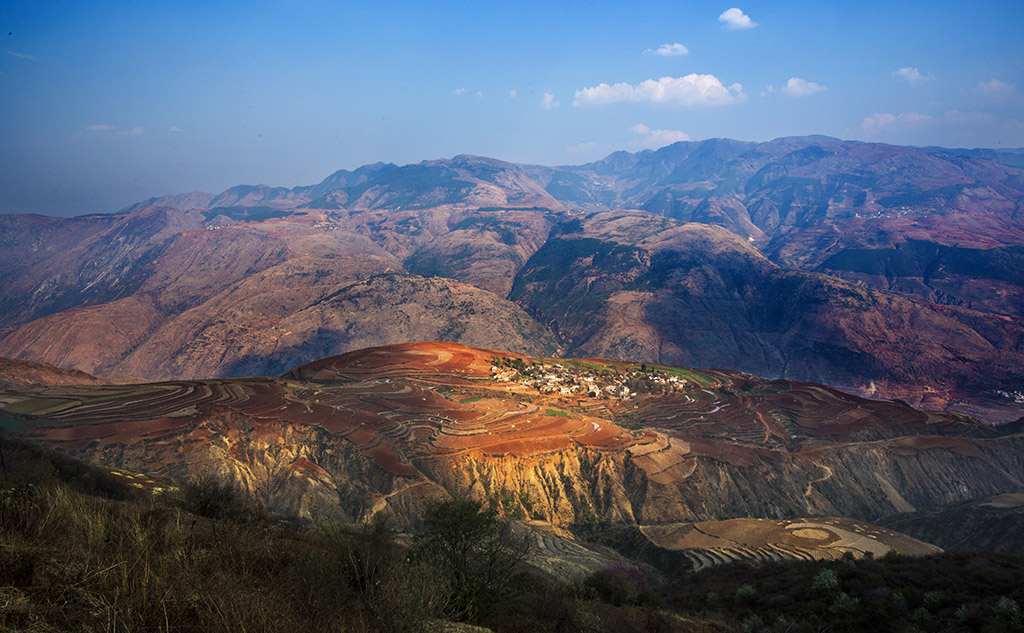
<point>107,103</point>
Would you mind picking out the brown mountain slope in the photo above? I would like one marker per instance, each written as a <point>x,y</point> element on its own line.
<point>629,285</point>
<point>485,248</point>
<point>841,207</point>
<point>465,181</point>
<point>249,298</point>
<point>378,430</point>
<point>991,524</point>
<point>52,264</point>
<point>18,374</point>
<point>385,308</point>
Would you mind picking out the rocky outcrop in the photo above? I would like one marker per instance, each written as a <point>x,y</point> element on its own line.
<point>314,475</point>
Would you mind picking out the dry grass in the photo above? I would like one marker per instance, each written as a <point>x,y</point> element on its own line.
<point>80,551</point>
<point>72,560</point>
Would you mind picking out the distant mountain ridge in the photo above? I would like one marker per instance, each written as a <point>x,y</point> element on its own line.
<point>652,179</point>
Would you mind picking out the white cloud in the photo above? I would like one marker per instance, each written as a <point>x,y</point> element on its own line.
<point>20,55</point>
<point>658,138</point>
<point>103,128</point>
<point>734,19</point>
<point>913,75</point>
<point>878,121</point>
<point>884,121</point>
<point>691,90</point>
<point>175,129</point>
<point>512,94</point>
<point>768,89</point>
<point>582,148</point>
<point>797,88</point>
<point>549,101</point>
<point>463,91</point>
<point>996,90</point>
<point>668,50</point>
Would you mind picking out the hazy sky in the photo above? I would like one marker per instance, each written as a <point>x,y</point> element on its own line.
<point>106,103</point>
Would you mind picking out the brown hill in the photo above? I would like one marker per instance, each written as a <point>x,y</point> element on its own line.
<point>378,430</point>
<point>486,248</point>
<point>18,374</point>
<point>937,224</point>
<point>260,297</point>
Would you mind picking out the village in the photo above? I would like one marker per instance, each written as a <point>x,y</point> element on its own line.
<point>1016,396</point>
<point>573,379</point>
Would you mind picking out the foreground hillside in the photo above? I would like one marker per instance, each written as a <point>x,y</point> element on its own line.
<point>381,431</point>
<point>646,497</point>
<point>83,549</point>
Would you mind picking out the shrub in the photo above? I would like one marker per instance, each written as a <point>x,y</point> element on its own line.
<point>472,551</point>
<point>826,580</point>
<point>844,604</point>
<point>214,498</point>
<point>1007,610</point>
<point>619,584</point>
<point>752,624</point>
<point>746,593</point>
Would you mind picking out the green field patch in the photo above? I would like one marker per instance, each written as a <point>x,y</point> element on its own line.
<point>770,388</point>
<point>42,406</point>
<point>556,413</point>
<point>701,380</point>
<point>119,396</point>
<point>11,424</point>
<point>585,364</point>
<point>472,399</point>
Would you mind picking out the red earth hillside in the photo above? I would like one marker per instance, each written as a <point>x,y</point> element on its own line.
<point>381,428</point>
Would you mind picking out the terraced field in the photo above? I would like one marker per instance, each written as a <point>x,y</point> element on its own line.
<point>563,557</point>
<point>712,543</point>
<point>559,437</point>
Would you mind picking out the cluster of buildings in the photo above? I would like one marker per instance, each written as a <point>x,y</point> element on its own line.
<point>1016,396</point>
<point>571,380</point>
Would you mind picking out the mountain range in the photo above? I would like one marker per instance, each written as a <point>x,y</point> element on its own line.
<point>885,271</point>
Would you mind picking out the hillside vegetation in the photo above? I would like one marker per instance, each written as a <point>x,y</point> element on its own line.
<point>85,550</point>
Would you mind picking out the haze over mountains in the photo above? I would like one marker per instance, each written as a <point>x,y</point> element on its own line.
<point>882,270</point>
